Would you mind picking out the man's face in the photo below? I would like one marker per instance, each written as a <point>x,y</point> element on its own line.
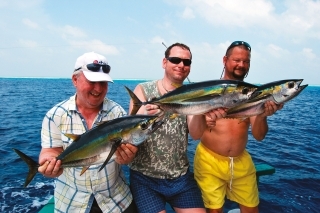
<point>89,94</point>
<point>237,64</point>
<point>177,73</point>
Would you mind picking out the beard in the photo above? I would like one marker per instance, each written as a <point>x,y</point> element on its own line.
<point>240,75</point>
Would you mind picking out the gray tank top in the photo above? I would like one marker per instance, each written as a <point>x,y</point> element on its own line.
<point>164,154</point>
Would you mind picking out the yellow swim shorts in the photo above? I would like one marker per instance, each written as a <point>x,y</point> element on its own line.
<point>218,176</point>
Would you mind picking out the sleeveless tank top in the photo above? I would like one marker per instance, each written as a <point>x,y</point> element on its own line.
<point>164,154</point>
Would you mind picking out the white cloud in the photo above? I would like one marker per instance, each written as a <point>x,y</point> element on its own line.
<point>30,23</point>
<point>188,13</point>
<point>232,13</point>
<point>157,39</point>
<point>28,43</point>
<point>275,50</point>
<point>308,53</point>
<point>68,31</point>
<point>299,17</point>
<point>21,4</point>
<point>302,18</point>
<point>97,46</point>
<point>132,20</point>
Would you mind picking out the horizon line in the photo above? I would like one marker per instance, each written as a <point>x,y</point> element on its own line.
<point>119,79</point>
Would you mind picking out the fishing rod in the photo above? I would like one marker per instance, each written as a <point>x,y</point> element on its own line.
<point>167,47</point>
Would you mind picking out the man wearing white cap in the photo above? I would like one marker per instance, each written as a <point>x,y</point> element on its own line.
<point>93,191</point>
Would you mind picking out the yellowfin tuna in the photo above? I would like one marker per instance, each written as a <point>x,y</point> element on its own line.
<point>97,145</point>
<point>201,97</point>
<point>278,91</point>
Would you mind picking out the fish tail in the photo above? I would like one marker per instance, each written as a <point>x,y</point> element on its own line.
<point>33,166</point>
<point>136,102</point>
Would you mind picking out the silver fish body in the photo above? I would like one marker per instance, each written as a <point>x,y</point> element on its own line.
<point>99,143</point>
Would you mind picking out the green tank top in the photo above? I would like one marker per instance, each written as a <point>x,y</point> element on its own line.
<point>164,154</point>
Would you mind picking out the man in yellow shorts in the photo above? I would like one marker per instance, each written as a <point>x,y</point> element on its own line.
<point>222,166</point>
<point>213,171</point>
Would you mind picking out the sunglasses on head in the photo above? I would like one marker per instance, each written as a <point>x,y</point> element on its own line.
<point>238,43</point>
<point>177,60</point>
<point>94,67</point>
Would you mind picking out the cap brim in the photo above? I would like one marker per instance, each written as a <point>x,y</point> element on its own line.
<point>97,76</point>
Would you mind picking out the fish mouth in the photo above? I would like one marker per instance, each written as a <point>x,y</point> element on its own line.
<point>302,87</point>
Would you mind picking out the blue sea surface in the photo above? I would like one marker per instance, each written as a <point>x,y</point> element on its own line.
<point>292,146</point>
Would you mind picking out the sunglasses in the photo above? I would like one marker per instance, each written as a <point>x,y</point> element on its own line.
<point>176,60</point>
<point>95,67</point>
<point>238,43</point>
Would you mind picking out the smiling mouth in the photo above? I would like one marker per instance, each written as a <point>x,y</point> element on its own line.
<point>95,94</point>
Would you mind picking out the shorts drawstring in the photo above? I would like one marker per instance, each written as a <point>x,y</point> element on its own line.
<point>231,170</point>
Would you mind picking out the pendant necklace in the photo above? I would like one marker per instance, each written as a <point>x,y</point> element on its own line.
<point>163,86</point>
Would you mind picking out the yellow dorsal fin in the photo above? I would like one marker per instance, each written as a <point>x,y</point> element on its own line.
<point>72,136</point>
<point>84,169</point>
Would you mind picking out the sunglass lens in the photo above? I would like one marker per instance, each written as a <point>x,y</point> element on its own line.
<point>93,67</point>
<point>186,62</point>
<point>176,60</point>
<point>106,68</point>
<point>237,43</point>
<point>96,67</point>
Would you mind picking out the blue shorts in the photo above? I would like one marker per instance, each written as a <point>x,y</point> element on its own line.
<point>151,194</point>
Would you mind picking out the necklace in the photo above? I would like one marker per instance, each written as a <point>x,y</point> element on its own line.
<point>163,86</point>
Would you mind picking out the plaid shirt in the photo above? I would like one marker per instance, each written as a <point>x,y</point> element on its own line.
<point>75,193</point>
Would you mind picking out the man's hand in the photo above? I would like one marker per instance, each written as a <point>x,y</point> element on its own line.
<point>270,108</point>
<point>152,109</point>
<point>125,153</point>
<point>214,115</point>
<point>51,168</point>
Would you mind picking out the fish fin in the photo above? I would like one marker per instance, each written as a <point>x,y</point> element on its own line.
<point>33,166</point>
<point>115,145</point>
<point>258,97</point>
<point>242,119</point>
<point>72,136</point>
<point>173,116</point>
<point>136,102</point>
<point>84,169</point>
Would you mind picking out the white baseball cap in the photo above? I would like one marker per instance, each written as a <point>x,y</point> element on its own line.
<point>94,66</point>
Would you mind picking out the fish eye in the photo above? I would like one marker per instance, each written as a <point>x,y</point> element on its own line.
<point>291,84</point>
<point>245,90</point>
<point>144,125</point>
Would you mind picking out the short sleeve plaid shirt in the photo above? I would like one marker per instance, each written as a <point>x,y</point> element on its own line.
<point>75,193</point>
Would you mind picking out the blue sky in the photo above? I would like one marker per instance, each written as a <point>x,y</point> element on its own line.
<point>42,38</point>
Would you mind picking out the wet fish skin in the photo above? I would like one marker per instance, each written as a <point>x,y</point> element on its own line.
<point>97,145</point>
<point>201,97</point>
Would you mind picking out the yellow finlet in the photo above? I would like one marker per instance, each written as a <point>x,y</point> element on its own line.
<point>72,136</point>
<point>84,169</point>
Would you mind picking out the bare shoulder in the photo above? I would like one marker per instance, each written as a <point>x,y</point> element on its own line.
<point>139,92</point>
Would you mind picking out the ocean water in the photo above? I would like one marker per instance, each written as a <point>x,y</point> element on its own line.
<point>292,146</point>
